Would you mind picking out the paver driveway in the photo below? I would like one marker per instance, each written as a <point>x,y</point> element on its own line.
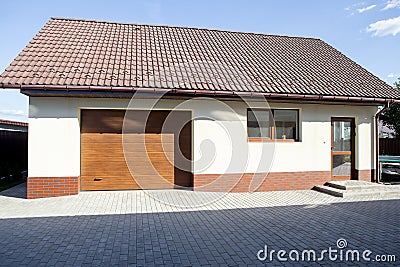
<point>139,228</point>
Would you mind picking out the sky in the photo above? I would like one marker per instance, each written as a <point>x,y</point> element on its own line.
<point>366,31</point>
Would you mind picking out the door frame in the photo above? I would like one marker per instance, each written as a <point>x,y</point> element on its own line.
<point>353,175</point>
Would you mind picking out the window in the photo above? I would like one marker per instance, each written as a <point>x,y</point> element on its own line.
<point>272,124</point>
<point>285,123</point>
<point>259,123</point>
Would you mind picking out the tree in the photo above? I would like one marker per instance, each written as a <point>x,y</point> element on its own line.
<point>391,117</point>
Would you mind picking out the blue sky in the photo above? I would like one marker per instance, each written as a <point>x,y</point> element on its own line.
<point>366,31</point>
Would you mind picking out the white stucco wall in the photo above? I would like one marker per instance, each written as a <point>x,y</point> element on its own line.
<point>219,136</point>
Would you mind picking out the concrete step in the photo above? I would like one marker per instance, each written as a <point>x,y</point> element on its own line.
<point>348,193</point>
<point>392,193</point>
<point>353,185</point>
<point>336,192</point>
<point>353,188</point>
<point>391,190</point>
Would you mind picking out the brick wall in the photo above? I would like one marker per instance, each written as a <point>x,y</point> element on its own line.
<point>39,187</point>
<point>365,175</point>
<point>250,182</point>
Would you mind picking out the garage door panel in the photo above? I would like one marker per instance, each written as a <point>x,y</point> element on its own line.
<point>145,170</point>
<point>148,138</point>
<point>113,186</point>
<point>104,177</point>
<point>109,184</point>
<point>93,157</point>
<point>97,150</point>
<point>133,147</point>
<point>105,152</point>
<point>110,138</point>
<point>116,183</point>
<point>162,164</point>
<point>114,148</point>
<point>131,162</point>
<point>100,121</point>
<point>146,180</point>
<point>117,177</point>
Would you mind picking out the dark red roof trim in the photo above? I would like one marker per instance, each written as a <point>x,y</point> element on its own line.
<point>15,123</point>
<point>121,92</point>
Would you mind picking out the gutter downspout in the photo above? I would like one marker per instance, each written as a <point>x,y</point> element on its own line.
<point>377,170</point>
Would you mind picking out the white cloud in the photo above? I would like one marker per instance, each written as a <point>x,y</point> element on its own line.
<point>362,10</point>
<point>392,4</point>
<point>385,27</point>
<point>391,75</point>
<point>359,7</point>
<point>13,112</point>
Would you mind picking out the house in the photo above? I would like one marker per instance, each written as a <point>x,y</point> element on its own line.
<point>7,125</point>
<point>118,106</point>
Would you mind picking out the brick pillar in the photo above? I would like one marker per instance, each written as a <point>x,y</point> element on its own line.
<point>365,175</point>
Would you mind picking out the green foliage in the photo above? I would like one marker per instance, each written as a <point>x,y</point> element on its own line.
<point>391,117</point>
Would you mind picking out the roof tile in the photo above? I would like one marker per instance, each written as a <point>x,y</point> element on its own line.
<point>102,54</point>
<point>16,123</point>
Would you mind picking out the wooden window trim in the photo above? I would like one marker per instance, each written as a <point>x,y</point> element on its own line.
<point>341,152</point>
<point>259,139</point>
<point>269,140</point>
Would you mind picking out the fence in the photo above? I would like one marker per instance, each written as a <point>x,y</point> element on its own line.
<point>389,146</point>
<point>13,154</point>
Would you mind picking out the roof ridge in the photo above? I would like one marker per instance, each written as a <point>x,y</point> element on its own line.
<point>186,27</point>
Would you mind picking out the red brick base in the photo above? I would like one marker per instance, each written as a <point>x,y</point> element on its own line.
<point>250,182</point>
<point>39,187</point>
<point>365,175</point>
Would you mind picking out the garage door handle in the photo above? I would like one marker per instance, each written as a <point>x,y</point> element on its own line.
<point>97,179</point>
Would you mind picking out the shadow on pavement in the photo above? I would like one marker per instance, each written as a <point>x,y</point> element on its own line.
<point>18,191</point>
<point>214,237</point>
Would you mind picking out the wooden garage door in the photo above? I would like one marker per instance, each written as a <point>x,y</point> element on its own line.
<point>148,161</point>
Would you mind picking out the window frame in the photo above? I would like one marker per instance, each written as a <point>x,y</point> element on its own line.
<point>272,127</point>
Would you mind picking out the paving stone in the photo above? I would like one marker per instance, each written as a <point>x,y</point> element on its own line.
<point>94,228</point>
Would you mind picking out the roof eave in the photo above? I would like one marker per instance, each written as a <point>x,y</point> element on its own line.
<point>97,91</point>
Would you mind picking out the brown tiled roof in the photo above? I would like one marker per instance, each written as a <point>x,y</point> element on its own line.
<point>15,123</point>
<point>81,54</point>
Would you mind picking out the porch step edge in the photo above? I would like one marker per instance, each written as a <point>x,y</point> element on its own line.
<point>339,185</point>
<point>336,192</point>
